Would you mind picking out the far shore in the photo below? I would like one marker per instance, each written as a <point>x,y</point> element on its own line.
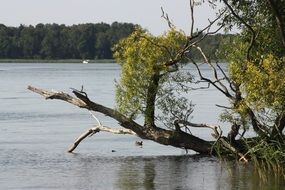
<point>92,61</point>
<point>56,61</point>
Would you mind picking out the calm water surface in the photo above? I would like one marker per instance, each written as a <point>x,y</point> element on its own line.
<point>35,134</point>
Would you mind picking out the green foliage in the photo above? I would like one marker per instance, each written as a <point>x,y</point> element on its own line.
<point>172,102</point>
<point>259,78</point>
<point>264,83</point>
<point>256,70</point>
<point>53,41</point>
<point>141,56</point>
<point>268,157</point>
<point>260,16</point>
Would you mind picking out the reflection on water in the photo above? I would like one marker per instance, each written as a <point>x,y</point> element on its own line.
<point>87,171</point>
<point>170,172</point>
<point>34,135</point>
<point>190,172</point>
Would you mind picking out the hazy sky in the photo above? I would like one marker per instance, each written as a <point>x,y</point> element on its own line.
<point>147,13</point>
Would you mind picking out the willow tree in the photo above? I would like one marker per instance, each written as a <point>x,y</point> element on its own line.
<point>152,83</point>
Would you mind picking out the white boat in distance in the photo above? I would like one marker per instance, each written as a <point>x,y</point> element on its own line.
<point>85,61</point>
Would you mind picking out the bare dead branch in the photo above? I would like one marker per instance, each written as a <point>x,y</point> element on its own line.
<point>193,39</point>
<point>98,121</point>
<point>226,77</point>
<point>225,107</point>
<point>216,129</point>
<point>191,3</point>
<point>166,17</point>
<point>83,102</point>
<point>80,138</point>
<point>59,95</point>
<point>225,92</point>
<point>208,27</point>
<point>95,130</point>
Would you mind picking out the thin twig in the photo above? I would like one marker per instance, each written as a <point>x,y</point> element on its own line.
<point>191,2</point>
<point>165,16</point>
<point>93,115</point>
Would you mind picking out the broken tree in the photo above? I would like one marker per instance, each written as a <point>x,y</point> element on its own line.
<point>152,80</point>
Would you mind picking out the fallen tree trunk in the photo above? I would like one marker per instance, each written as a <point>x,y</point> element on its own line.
<point>176,138</point>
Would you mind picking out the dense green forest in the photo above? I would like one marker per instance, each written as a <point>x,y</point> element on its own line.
<point>82,41</point>
<point>53,41</point>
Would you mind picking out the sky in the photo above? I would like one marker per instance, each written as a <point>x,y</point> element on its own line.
<point>146,13</point>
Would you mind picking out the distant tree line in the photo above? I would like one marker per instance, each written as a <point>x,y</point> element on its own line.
<point>82,41</point>
<point>53,41</point>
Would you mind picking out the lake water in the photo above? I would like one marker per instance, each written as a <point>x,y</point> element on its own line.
<point>35,134</point>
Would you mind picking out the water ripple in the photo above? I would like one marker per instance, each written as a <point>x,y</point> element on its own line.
<point>6,116</point>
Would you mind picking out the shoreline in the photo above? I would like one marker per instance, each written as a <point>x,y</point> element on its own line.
<point>56,61</point>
